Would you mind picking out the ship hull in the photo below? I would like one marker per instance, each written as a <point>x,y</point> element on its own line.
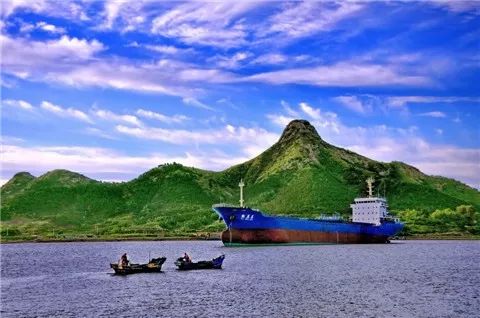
<point>251,227</point>
<point>235,237</point>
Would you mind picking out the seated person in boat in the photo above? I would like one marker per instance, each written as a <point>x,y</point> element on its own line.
<point>186,257</point>
<point>123,260</point>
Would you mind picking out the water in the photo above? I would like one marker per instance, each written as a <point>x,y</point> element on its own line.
<point>402,279</point>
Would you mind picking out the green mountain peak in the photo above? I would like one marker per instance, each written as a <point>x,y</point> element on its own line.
<point>297,148</point>
<point>64,177</point>
<point>300,129</point>
<point>23,174</point>
<point>16,184</point>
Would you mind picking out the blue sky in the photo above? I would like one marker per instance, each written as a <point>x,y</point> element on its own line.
<point>113,88</point>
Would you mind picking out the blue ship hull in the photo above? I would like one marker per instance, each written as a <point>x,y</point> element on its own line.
<point>248,226</point>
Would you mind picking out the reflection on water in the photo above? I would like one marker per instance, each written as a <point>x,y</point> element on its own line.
<point>403,279</point>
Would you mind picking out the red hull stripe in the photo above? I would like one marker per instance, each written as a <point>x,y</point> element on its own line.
<point>290,236</point>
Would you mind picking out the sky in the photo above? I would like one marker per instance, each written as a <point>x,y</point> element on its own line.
<point>111,89</point>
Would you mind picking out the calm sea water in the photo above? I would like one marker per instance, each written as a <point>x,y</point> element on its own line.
<point>402,279</point>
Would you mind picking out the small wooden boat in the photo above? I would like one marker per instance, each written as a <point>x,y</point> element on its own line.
<point>154,266</point>
<point>183,264</point>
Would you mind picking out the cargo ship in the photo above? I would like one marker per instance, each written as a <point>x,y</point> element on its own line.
<point>370,223</point>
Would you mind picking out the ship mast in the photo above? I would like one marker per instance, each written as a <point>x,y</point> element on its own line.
<point>241,185</point>
<point>369,183</point>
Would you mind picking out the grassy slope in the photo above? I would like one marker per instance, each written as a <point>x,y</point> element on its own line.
<point>16,185</point>
<point>299,175</point>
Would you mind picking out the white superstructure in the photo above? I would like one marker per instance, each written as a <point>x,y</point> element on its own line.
<point>369,210</point>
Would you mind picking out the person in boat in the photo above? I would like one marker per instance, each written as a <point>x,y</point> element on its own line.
<point>124,260</point>
<point>186,257</point>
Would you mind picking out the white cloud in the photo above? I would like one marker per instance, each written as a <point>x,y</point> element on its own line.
<point>133,44</point>
<point>195,74</point>
<point>343,74</point>
<point>51,107</point>
<point>50,28</point>
<point>123,76</point>
<point>472,7</point>
<point>103,163</point>
<point>230,129</point>
<point>8,82</point>
<point>167,49</point>
<point>24,58</point>
<point>280,120</point>
<point>133,23</point>
<point>301,19</point>
<point>17,103</point>
<point>353,103</point>
<point>111,116</point>
<point>245,138</point>
<point>26,27</point>
<point>227,102</point>
<point>65,112</point>
<point>290,111</point>
<point>205,23</point>
<point>10,140</point>
<point>161,117</point>
<point>63,9</point>
<point>70,61</point>
<point>365,103</point>
<point>99,133</point>
<point>8,7</point>
<point>435,114</point>
<point>231,62</point>
<point>112,9</point>
<point>83,159</point>
<point>196,103</point>
<point>270,58</point>
<point>324,120</point>
<point>127,15</point>
<point>313,113</point>
<point>401,101</point>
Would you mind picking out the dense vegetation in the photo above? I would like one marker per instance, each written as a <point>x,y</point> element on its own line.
<point>300,175</point>
<point>462,220</point>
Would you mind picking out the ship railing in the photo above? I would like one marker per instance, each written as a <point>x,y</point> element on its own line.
<point>391,218</point>
<point>328,217</point>
<point>223,205</point>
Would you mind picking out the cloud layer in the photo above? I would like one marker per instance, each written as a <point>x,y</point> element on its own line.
<point>213,83</point>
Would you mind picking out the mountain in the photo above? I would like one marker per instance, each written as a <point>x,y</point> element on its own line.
<point>16,185</point>
<point>300,175</point>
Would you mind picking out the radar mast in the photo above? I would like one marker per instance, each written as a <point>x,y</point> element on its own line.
<point>241,185</point>
<point>369,183</point>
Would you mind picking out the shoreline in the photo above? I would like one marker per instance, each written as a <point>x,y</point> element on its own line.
<point>215,237</point>
<point>432,237</point>
<point>123,239</point>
